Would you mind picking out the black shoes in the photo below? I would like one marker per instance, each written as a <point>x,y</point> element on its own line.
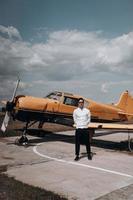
<point>89,157</point>
<point>76,158</point>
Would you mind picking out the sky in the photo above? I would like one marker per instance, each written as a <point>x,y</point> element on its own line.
<point>79,46</point>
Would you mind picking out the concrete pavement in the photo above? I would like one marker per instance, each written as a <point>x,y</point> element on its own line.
<point>48,163</point>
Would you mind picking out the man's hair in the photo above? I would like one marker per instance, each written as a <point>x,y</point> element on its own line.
<point>81,99</point>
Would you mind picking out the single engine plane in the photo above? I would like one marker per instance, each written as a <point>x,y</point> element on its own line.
<point>57,107</point>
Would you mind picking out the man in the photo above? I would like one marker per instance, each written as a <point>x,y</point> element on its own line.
<point>81,117</point>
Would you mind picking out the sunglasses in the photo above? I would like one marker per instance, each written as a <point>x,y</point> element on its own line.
<point>80,102</point>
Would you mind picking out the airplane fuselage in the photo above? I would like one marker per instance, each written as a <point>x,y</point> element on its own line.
<point>58,107</point>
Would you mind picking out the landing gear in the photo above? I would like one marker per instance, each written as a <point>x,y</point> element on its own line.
<point>23,140</point>
<point>91,134</point>
<point>130,142</point>
<point>40,125</point>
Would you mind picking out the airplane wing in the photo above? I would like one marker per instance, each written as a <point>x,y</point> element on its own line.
<point>111,126</point>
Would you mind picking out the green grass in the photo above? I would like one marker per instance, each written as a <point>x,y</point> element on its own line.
<point>10,133</point>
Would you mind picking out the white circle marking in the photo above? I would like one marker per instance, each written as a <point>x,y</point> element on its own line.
<point>78,164</point>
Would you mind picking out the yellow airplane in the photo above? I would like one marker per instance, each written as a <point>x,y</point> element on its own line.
<point>58,107</point>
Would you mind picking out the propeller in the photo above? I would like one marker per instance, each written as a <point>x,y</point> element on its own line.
<point>9,108</point>
<point>5,122</point>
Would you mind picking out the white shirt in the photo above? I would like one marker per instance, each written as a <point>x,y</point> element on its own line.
<point>81,117</point>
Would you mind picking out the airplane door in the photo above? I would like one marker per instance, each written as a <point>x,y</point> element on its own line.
<point>68,105</point>
<point>53,106</point>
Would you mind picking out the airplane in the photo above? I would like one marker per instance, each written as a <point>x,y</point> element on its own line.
<point>57,107</point>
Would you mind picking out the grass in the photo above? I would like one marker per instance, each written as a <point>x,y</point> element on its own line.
<point>11,189</point>
<point>10,133</point>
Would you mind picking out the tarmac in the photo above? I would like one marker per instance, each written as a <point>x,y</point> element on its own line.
<point>48,163</point>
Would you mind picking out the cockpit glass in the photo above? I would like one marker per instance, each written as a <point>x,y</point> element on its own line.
<point>71,101</point>
<point>54,96</point>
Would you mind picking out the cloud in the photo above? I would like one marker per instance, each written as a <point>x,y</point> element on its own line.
<point>104,88</point>
<point>111,85</point>
<point>70,56</point>
<point>10,31</point>
<point>13,56</point>
<point>67,54</point>
<point>77,53</point>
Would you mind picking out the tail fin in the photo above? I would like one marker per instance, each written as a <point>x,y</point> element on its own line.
<point>126,102</point>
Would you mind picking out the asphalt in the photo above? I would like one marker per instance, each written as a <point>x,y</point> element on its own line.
<point>49,163</point>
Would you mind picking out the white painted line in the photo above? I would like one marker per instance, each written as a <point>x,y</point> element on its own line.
<point>79,164</point>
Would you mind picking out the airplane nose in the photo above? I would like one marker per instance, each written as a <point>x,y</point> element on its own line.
<point>9,106</point>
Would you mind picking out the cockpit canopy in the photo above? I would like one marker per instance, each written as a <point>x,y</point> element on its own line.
<point>68,98</point>
<point>54,95</point>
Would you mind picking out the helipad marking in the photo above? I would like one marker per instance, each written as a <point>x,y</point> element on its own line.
<point>79,164</point>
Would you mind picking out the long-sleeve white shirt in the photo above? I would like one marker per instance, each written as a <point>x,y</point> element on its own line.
<point>81,117</point>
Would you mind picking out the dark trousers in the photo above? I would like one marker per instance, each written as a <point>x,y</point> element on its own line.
<point>82,136</point>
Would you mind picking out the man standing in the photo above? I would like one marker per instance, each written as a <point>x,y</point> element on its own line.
<point>81,117</point>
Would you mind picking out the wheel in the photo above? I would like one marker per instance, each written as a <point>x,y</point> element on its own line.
<point>130,144</point>
<point>23,140</point>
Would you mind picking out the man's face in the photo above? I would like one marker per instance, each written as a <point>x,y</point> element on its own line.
<point>81,104</point>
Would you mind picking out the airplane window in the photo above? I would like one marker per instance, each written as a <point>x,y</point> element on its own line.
<point>55,96</point>
<point>71,101</point>
<point>51,95</point>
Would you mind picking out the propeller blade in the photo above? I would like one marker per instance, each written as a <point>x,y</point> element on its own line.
<point>7,115</point>
<point>14,93</point>
<point>5,122</point>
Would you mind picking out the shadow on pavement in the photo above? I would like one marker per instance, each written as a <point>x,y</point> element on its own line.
<point>47,136</point>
